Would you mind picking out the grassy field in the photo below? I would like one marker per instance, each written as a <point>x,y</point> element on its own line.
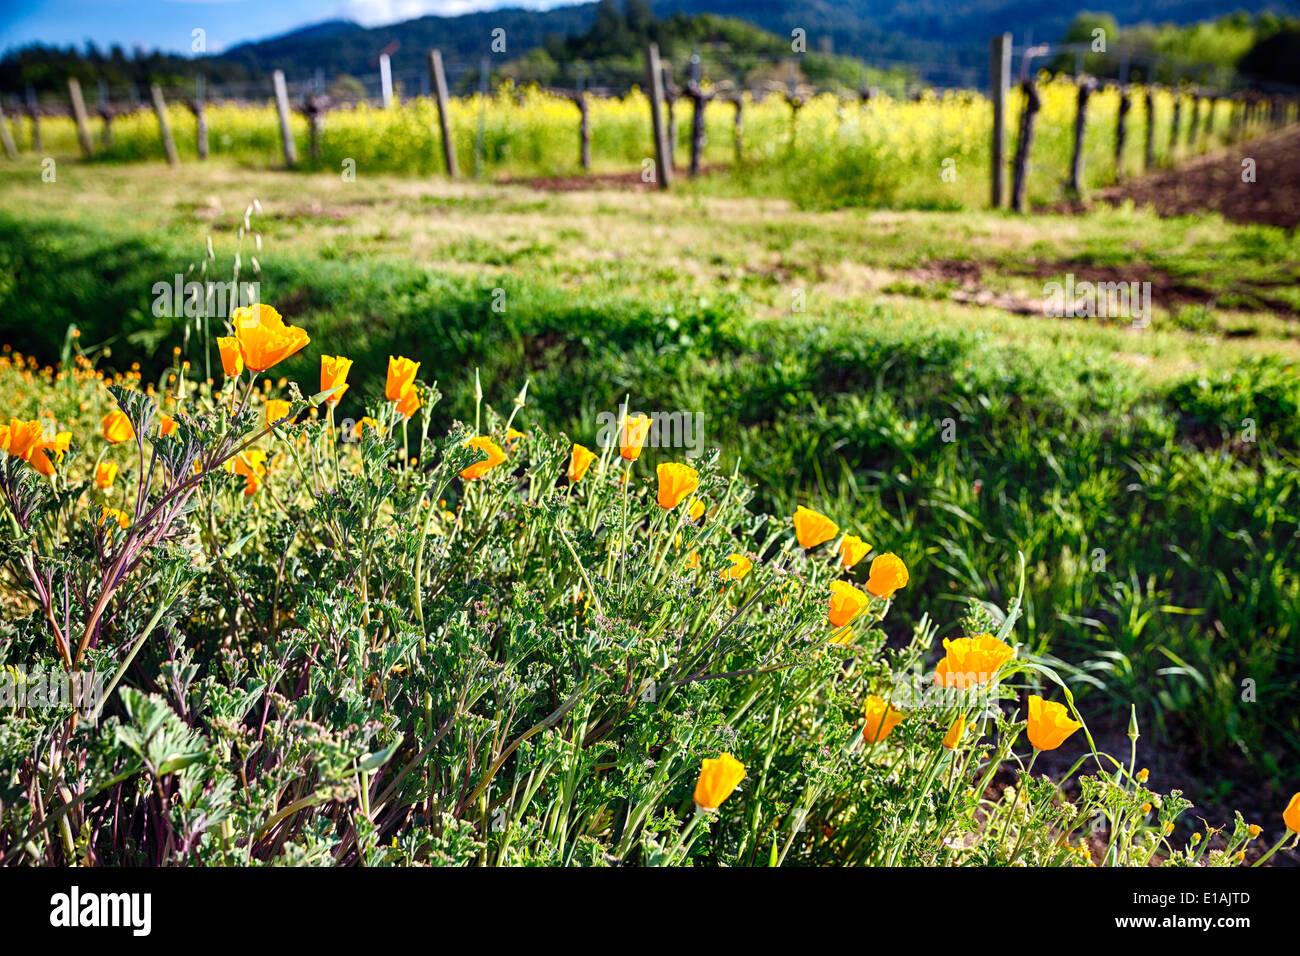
<point>894,366</point>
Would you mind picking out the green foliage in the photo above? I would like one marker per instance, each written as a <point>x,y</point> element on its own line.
<point>340,669</point>
<point>1128,499</point>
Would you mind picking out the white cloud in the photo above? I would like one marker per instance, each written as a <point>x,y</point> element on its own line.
<point>372,13</point>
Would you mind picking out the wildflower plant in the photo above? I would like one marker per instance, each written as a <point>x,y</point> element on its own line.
<point>421,641</point>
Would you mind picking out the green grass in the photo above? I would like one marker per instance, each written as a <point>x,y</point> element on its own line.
<point>1158,539</point>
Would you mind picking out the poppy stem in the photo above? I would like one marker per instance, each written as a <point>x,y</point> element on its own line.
<point>1276,846</point>
<point>1006,825</point>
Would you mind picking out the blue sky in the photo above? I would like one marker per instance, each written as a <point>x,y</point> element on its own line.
<point>169,24</point>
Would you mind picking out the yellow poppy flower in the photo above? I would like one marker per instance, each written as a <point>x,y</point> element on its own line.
<point>276,411</point>
<point>1291,815</point>
<point>970,661</point>
<point>114,514</point>
<point>232,360</point>
<point>953,737</point>
<point>409,403</point>
<point>847,603</point>
<point>718,779</point>
<point>105,474</point>
<point>740,566</point>
<point>28,441</point>
<point>852,550</point>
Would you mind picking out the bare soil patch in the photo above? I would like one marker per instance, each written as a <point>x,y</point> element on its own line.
<point>1213,182</point>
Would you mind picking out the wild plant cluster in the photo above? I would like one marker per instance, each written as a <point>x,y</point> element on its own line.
<point>296,639</point>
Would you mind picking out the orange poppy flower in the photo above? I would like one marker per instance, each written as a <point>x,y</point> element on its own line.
<point>580,460</point>
<point>813,528</point>
<point>495,456</point>
<point>888,574</point>
<point>264,339</point>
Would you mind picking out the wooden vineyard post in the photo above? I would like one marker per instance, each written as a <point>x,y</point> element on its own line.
<point>579,99</point>
<point>79,115</point>
<point>386,80</point>
<point>105,110</point>
<point>1086,86</point>
<point>738,126</point>
<point>198,106</point>
<point>1149,154</point>
<point>1025,144</point>
<point>439,79</point>
<point>165,130</point>
<point>282,107</point>
<point>1173,129</point>
<point>999,92</point>
<point>34,114</point>
<point>6,137</point>
<point>1121,131</point>
<point>699,101</point>
<point>655,88</point>
<point>314,107</point>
